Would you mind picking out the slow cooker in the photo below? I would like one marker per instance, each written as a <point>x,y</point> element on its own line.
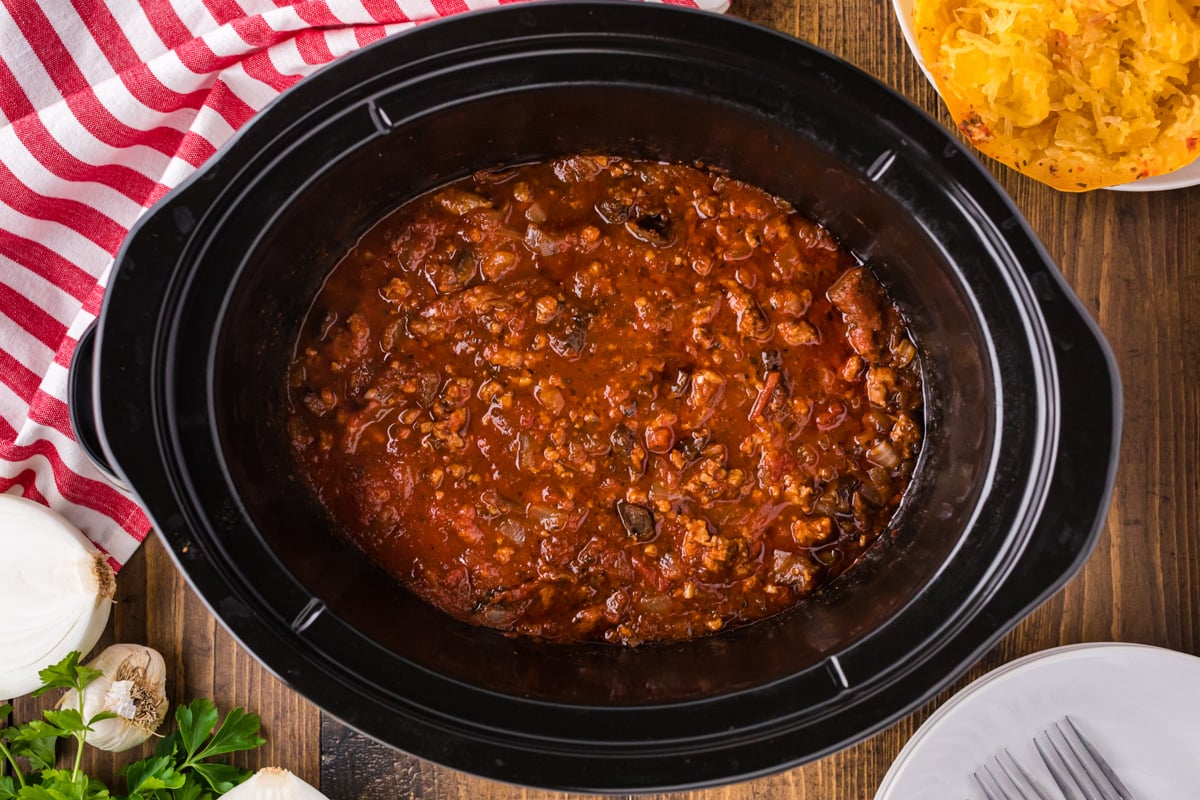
<point>181,391</point>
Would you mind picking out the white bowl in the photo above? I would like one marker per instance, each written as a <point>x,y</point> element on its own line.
<point>1179,179</point>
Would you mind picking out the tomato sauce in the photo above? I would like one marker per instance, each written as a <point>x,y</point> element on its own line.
<point>602,399</point>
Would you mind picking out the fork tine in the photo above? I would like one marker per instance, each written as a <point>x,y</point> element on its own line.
<point>1016,784</point>
<point>1022,778</point>
<point>1061,777</point>
<point>1116,783</point>
<point>1083,779</point>
<point>987,792</point>
<point>1084,761</point>
<point>995,791</point>
<point>1000,784</point>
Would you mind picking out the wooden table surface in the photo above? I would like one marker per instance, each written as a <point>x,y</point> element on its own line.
<point>1133,258</point>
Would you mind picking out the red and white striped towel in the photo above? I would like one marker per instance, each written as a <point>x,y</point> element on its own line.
<point>105,105</point>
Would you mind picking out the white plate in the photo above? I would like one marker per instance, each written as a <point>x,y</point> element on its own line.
<point>1179,179</point>
<point>1139,705</point>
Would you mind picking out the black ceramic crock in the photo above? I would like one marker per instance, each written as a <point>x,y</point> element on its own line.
<point>187,379</point>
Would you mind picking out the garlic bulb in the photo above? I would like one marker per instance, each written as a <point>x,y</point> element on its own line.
<point>133,687</point>
<point>272,783</point>
<point>56,592</point>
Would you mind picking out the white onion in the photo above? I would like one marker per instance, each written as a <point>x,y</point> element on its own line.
<point>547,516</point>
<point>56,592</point>
<point>884,455</point>
<point>513,530</point>
<point>272,783</point>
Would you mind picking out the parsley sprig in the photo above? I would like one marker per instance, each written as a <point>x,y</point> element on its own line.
<point>182,767</point>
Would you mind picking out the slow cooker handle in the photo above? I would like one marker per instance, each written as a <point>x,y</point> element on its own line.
<point>81,405</point>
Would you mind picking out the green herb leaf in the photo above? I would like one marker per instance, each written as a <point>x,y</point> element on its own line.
<point>196,722</point>
<point>177,771</point>
<point>36,729</point>
<point>192,790</point>
<point>43,792</point>
<point>220,777</point>
<point>239,731</point>
<point>103,715</point>
<point>56,784</point>
<point>35,741</point>
<point>40,752</point>
<point>96,790</point>
<point>66,674</point>
<point>168,745</point>
<point>66,720</point>
<point>151,774</point>
<point>86,675</point>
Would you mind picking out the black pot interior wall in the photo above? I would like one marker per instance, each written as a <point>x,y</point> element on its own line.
<point>278,281</point>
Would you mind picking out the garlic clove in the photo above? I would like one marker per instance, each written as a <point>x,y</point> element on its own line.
<point>56,593</point>
<point>273,783</point>
<point>132,686</point>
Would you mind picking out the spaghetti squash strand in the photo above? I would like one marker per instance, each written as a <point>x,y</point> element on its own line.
<point>1079,94</point>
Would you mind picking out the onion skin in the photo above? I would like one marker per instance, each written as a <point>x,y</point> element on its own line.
<point>56,593</point>
<point>272,783</point>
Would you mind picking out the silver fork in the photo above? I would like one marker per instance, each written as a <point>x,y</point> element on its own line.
<point>1014,783</point>
<point>1077,767</point>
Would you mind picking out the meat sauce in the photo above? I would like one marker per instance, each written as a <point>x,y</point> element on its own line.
<point>602,399</point>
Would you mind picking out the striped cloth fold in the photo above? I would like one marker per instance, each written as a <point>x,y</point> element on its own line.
<point>105,105</point>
